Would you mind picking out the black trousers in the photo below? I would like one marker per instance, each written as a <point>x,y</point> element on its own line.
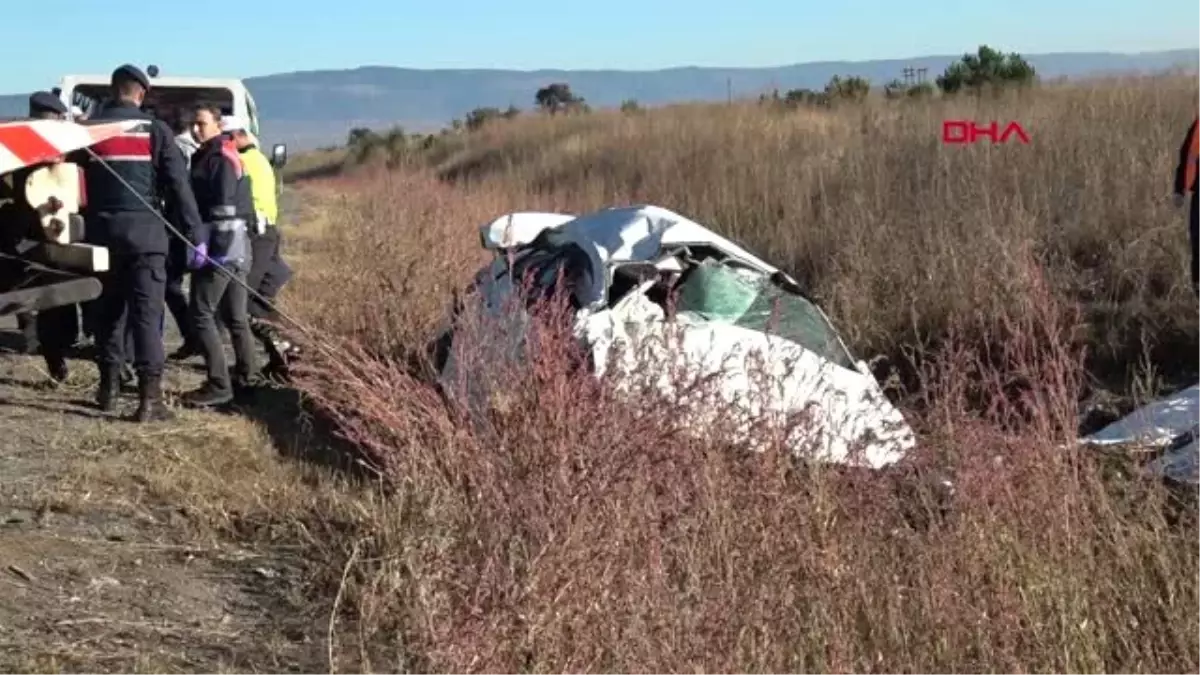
<point>213,295</point>
<point>89,313</point>
<point>176,301</point>
<point>268,273</point>
<point>267,276</point>
<point>176,298</point>
<point>27,324</point>
<point>57,331</point>
<point>1194,240</point>
<point>131,306</point>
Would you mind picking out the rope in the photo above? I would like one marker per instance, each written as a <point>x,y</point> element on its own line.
<point>193,249</point>
<point>40,267</point>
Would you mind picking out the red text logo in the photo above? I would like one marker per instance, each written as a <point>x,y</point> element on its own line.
<point>967,132</point>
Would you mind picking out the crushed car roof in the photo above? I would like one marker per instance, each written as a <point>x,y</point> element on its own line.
<point>614,235</point>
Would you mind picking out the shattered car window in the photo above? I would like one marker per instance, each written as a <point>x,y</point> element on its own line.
<point>542,265</point>
<point>794,318</point>
<point>749,300</point>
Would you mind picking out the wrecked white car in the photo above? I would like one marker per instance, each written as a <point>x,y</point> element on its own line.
<point>732,318</point>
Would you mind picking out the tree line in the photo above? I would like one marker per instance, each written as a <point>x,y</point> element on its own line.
<point>986,69</point>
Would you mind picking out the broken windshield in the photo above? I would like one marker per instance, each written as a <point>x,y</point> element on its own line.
<point>747,299</point>
<point>543,265</point>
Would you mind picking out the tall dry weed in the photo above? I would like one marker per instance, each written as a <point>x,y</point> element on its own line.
<point>567,528</point>
<point>896,233</point>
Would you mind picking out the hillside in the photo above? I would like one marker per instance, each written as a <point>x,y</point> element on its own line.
<point>309,109</point>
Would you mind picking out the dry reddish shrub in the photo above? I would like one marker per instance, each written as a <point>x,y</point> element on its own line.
<point>567,528</point>
<point>574,531</point>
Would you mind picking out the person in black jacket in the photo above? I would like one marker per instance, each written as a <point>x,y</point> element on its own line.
<point>177,303</point>
<point>54,330</point>
<point>222,260</point>
<point>124,184</point>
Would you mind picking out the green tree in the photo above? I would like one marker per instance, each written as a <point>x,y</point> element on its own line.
<point>852,89</point>
<point>896,90</point>
<point>359,136</point>
<point>478,117</point>
<point>985,69</point>
<point>558,97</point>
<point>630,106</point>
<point>795,98</point>
<point>396,142</point>
<point>920,90</point>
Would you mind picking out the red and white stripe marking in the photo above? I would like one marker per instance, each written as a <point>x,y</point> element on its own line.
<point>29,142</point>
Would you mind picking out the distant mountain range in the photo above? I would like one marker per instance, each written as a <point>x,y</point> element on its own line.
<point>313,108</point>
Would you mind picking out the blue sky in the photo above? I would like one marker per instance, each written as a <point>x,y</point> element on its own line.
<point>271,36</point>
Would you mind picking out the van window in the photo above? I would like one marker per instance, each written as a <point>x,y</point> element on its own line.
<point>252,113</point>
<point>165,103</point>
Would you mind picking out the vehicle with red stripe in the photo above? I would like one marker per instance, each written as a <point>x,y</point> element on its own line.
<point>43,260</point>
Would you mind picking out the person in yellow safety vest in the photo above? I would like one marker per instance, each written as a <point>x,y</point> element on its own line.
<point>258,168</point>
<point>268,271</point>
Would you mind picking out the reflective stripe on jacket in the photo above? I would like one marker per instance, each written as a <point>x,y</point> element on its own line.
<point>130,156</point>
<point>223,195</point>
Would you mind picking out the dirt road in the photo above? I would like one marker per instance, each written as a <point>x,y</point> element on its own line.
<point>151,548</point>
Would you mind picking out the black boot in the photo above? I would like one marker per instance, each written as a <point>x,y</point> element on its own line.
<point>57,365</point>
<point>210,394</point>
<point>106,393</point>
<point>129,381</point>
<point>185,352</point>
<point>276,368</point>
<point>150,401</point>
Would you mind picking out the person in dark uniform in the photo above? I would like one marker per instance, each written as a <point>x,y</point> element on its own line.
<point>120,217</point>
<point>57,327</point>
<point>42,105</point>
<point>178,256</point>
<point>54,330</point>
<point>222,260</point>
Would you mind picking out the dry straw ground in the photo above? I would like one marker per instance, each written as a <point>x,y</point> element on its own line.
<point>570,531</point>
<point>1004,286</point>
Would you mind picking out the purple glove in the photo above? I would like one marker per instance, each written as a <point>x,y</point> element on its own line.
<point>199,257</point>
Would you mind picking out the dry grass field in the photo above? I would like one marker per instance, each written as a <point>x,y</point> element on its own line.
<point>1004,286</point>
<point>1004,289</point>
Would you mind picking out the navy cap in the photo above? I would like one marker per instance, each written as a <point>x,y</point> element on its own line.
<point>131,72</point>
<point>44,101</point>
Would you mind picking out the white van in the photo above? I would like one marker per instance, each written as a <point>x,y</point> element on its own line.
<point>170,96</point>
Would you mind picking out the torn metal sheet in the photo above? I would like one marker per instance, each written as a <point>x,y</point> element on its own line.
<point>1169,425</point>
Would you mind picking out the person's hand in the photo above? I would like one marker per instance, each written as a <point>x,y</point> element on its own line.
<point>1178,200</point>
<point>199,257</point>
